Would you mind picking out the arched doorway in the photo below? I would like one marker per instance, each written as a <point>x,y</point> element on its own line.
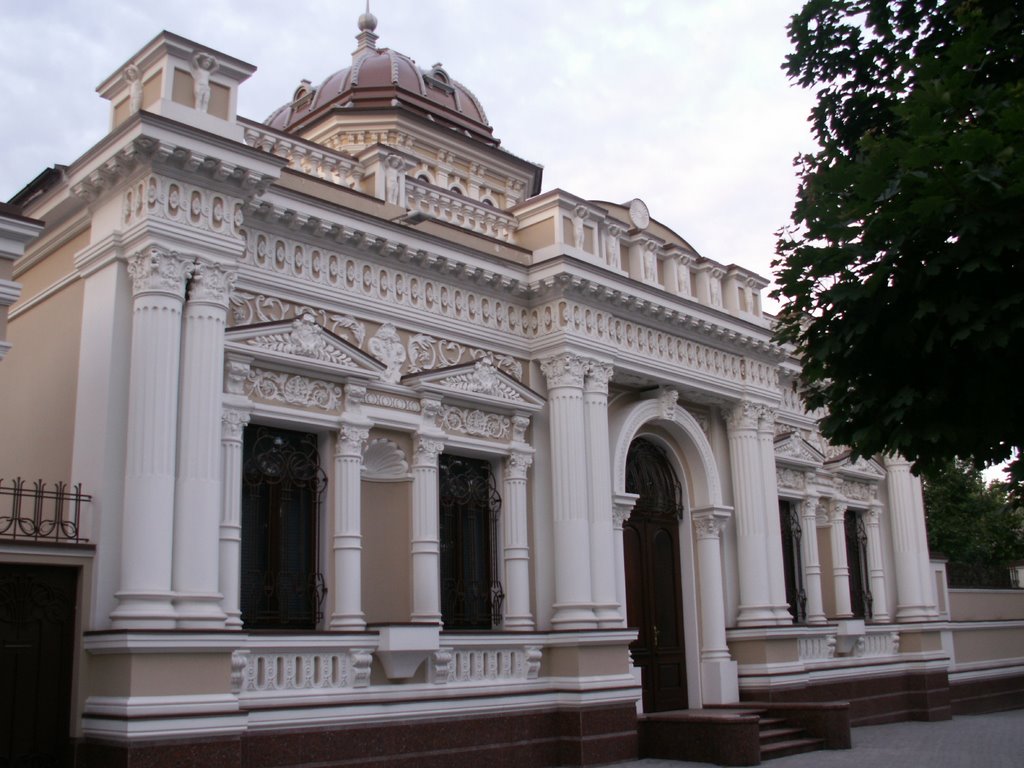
<point>653,581</point>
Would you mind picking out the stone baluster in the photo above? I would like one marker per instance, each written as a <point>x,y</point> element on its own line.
<point>573,608</point>
<point>198,495</point>
<point>876,568</point>
<point>840,563</point>
<point>811,560</point>
<point>426,552</point>
<point>748,487</point>
<point>233,422</point>
<point>599,484</point>
<point>158,292</point>
<point>909,543</point>
<point>773,527</point>
<point>517,544</point>
<point>347,544</point>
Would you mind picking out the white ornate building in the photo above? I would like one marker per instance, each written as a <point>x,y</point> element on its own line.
<point>392,453</point>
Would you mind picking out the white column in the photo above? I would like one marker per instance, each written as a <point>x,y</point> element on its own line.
<point>876,570</point>
<point>426,548</point>
<point>748,488</point>
<point>773,527</point>
<point>233,424</point>
<point>622,507</point>
<point>573,608</point>
<point>347,543</point>
<point>158,288</point>
<point>719,675</point>
<point>517,543</point>
<point>811,560</point>
<point>599,485</point>
<point>909,542</point>
<point>840,564</point>
<point>198,491</point>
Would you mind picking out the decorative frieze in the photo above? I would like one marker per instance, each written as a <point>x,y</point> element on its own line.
<point>386,346</point>
<point>817,647</point>
<point>293,389</point>
<point>475,422</point>
<point>249,309</point>
<point>874,644</point>
<point>790,478</point>
<point>182,203</point>
<point>395,402</point>
<point>255,672</point>
<point>427,353</point>
<point>858,491</point>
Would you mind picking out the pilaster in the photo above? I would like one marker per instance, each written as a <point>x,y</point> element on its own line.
<point>773,528</point>
<point>599,486</point>
<point>840,563</point>
<point>426,552</point>
<point>876,570</point>
<point>517,543</point>
<point>347,542</point>
<point>233,422</point>
<point>811,559</point>
<point>719,673</point>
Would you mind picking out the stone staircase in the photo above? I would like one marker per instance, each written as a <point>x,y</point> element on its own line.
<point>780,738</point>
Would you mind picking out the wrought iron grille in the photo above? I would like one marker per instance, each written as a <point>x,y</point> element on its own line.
<point>857,558</point>
<point>39,513</point>
<point>470,509</point>
<point>282,486</point>
<point>649,474</point>
<point>792,560</point>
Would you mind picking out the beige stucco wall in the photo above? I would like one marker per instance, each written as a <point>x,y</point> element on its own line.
<point>989,644</point>
<point>386,557</point>
<point>536,235</point>
<point>763,650</point>
<point>986,605</point>
<point>585,661</point>
<point>158,674</point>
<point>55,267</point>
<point>38,380</point>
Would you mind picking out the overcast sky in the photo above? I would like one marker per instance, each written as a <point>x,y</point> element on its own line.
<point>681,103</point>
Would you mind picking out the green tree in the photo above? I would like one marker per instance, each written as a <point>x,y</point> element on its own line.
<point>969,521</point>
<point>902,274</point>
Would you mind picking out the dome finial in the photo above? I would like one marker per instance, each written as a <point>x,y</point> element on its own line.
<point>367,21</point>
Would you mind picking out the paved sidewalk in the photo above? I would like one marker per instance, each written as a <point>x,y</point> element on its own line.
<point>985,741</point>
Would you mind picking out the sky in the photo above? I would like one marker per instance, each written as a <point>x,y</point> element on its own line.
<point>681,103</point>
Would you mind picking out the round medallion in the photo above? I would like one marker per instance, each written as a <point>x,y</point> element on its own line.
<point>638,214</point>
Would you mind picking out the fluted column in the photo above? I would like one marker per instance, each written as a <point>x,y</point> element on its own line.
<point>573,608</point>
<point>198,494</point>
<point>517,544</point>
<point>708,525</point>
<point>622,506</point>
<point>811,560</point>
<point>426,552</point>
<point>233,423</point>
<point>347,542</point>
<point>599,484</point>
<point>748,489</point>
<point>876,569</point>
<point>909,542</point>
<point>840,564</point>
<point>158,289</point>
<point>773,527</point>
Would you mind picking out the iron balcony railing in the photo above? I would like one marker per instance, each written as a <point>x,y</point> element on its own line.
<point>41,513</point>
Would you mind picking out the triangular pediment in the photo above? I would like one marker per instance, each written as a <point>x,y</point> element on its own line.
<point>479,383</point>
<point>862,468</point>
<point>793,450</point>
<point>302,343</point>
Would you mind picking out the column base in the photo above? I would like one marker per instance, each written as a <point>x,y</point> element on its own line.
<point>755,616</point>
<point>354,622</point>
<point>720,682</point>
<point>199,612</point>
<point>143,610</point>
<point>519,623</point>
<point>908,613</point>
<point>608,616</point>
<point>574,617</point>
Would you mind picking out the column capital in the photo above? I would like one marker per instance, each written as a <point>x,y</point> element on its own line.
<point>427,448</point>
<point>154,270</point>
<point>837,511</point>
<point>351,440</point>
<point>597,377</point>
<point>766,419</point>
<point>520,424</point>
<point>517,464</point>
<point>565,370</point>
<point>622,506</point>
<point>893,461</point>
<point>809,505</point>
<point>743,415</point>
<point>667,402</point>
<point>232,423</point>
<point>212,284</point>
<point>709,523</point>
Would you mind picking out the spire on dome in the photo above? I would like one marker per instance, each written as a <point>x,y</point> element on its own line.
<point>367,38</point>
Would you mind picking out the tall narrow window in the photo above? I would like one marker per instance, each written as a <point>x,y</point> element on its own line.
<point>471,591</point>
<point>282,484</point>
<point>857,559</point>
<point>792,560</point>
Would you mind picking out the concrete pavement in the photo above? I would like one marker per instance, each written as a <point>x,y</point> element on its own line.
<point>986,741</point>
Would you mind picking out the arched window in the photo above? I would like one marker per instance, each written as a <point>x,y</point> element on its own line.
<point>649,474</point>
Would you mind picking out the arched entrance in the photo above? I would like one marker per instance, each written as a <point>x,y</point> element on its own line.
<point>652,569</point>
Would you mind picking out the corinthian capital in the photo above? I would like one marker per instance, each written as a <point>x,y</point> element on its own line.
<point>517,464</point>
<point>212,283</point>
<point>156,271</point>
<point>598,376</point>
<point>744,415</point>
<point>766,419</point>
<point>351,440</point>
<point>564,370</point>
<point>427,450</point>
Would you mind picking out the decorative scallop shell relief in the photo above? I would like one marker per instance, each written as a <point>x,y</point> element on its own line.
<point>384,460</point>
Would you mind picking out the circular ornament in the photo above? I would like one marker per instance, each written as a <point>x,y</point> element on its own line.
<point>638,213</point>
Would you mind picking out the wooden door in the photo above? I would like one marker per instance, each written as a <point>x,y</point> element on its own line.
<point>653,581</point>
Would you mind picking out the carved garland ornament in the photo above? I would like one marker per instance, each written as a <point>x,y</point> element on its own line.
<point>483,379</point>
<point>475,422</point>
<point>293,390</point>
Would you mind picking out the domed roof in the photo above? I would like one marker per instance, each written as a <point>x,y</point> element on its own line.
<point>385,79</point>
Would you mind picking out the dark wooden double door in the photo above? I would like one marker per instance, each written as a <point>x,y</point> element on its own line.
<point>653,589</point>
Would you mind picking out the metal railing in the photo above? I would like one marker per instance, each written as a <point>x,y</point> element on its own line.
<point>41,513</point>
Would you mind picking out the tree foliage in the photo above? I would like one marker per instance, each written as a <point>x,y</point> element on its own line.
<point>969,521</point>
<point>902,275</point>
